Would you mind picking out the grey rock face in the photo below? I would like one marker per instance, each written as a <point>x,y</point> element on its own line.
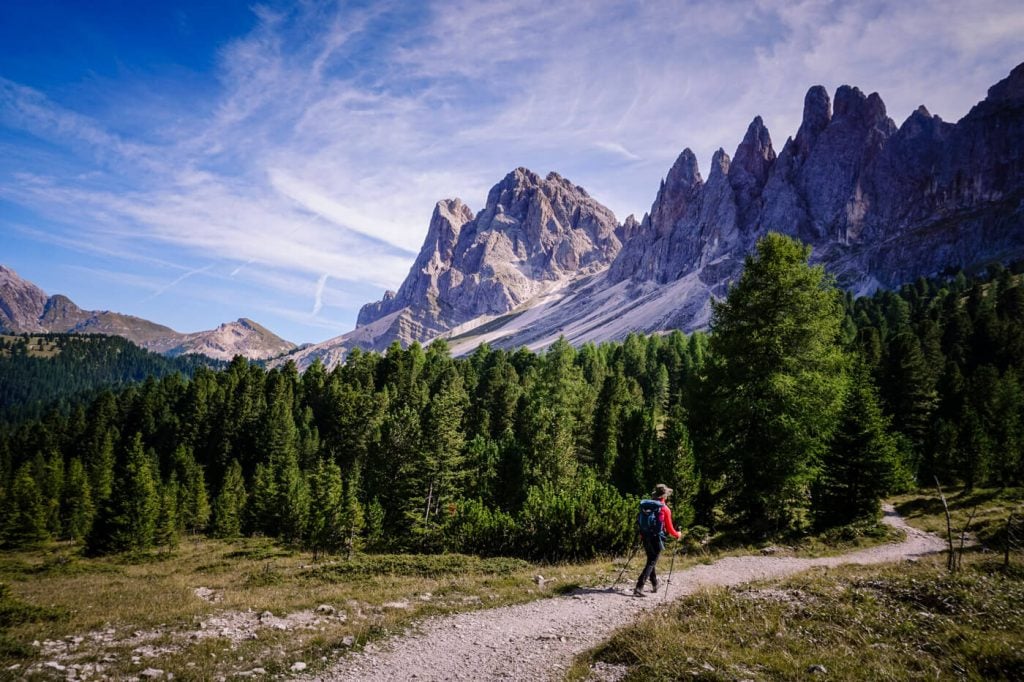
<point>21,303</point>
<point>879,205</point>
<point>532,233</point>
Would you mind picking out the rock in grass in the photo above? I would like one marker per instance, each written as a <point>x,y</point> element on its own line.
<point>152,673</point>
<point>817,669</point>
<point>298,667</point>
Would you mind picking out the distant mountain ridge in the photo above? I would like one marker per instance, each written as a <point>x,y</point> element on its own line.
<point>25,308</point>
<point>880,205</point>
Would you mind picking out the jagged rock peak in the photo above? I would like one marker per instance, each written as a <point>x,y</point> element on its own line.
<point>1010,89</point>
<point>852,104</point>
<point>816,117</point>
<point>629,227</point>
<point>755,154</point>
<point>685,171</point>
<point>445,225</point>
<point>817,112</point>
<point>720,163</point>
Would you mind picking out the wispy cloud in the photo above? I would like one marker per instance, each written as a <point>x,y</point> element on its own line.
<point>318,295</point>
<point>334,129</point>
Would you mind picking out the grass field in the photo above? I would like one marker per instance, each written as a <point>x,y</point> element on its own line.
<point>913,620</point>
<point>196,612</point>
<point>213,608</point>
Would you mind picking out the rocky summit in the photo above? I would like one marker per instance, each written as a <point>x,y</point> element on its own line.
<point>26,309</point>
<point>880,205</point>
<point>534,235</point>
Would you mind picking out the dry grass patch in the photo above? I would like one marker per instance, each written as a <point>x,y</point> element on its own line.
<point>907,621</point>
<point>213,608</point>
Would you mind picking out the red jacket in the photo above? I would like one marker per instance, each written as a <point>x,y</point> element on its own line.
<point>666,521</point>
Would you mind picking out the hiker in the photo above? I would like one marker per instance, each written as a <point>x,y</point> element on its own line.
<point>654,520</point>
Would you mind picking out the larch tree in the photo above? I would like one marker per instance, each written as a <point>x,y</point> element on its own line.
<point>777,380</point>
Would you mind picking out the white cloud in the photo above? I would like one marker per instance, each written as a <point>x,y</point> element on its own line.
<point>335,130</point>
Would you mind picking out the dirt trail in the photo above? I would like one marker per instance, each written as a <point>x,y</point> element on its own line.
<point>538,640</point>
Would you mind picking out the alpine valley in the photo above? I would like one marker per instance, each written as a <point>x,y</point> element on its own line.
<point>880,205</point>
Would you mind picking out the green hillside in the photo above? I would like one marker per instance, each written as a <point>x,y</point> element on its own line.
<point>41,371</point>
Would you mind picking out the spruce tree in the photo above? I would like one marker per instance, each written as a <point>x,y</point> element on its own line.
<point>324,524</point>
<point>127,520</point>
<point>24,513</point>
<point>777,382</point>
<point>167,527</point>
<point>374,523</point>
<point>77,509</point>
<point>51,488</point>
<point>227,508</point>
<point>352,512</point>
<point>861,464</point>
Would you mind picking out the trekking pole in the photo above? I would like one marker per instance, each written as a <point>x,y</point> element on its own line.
<point>671,565</point>
<point>623,571</point>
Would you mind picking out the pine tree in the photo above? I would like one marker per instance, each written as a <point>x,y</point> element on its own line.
<point>77,509</point>
<point>227,508</point>
<point>127,520</point>
<point>167,526</point>
<point>861,465</point>
<point>676,466</point>
<point>52,485</point>
<point>280,495</point>
<point>352,510</point>
<point>374,517</point>
<point>24,513</point>
<point>908,388</point>
<point>777,382</point>
<point>439,472</point>
<point>324,525</point>
<point>193,504</point>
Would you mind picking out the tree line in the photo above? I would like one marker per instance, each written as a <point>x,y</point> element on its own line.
<point>799,410</point>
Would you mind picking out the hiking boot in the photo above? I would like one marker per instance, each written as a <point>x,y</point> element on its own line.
<point>638,592</point>
<point>654,587</point>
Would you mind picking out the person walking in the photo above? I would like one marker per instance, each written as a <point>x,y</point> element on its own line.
<point>654,521</point>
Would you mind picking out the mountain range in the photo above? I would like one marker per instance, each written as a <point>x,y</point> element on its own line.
<point>879,204</point>
<point>25,308</point>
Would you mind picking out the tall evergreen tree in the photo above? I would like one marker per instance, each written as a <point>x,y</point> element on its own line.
<point>861,465</point>
<point>77,509</point>
<point>24,513</point>
<point>127,520</point>
<point>777,381</point>
<point>168,524</point>
<point>324,525</point>
<point>227,508</point>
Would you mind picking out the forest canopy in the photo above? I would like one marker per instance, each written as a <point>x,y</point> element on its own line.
<point>799,409</point>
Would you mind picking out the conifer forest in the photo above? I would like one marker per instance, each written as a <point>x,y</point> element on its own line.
<point>799,409</point>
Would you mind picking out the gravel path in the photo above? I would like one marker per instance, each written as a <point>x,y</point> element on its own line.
<point>538,640</point>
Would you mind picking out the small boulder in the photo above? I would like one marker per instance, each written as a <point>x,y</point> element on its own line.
<point>152,673</point>
<point>326,610</point>
<point>298,667</point>
<point>817,669</point>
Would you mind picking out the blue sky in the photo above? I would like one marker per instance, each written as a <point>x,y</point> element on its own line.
<point>196,162</point>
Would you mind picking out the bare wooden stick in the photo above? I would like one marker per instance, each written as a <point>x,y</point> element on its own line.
<point>1006,541</point>
<point>963,535</point>
<point>950,559</point>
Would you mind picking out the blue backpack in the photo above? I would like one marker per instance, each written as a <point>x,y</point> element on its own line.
<point>648,521</point>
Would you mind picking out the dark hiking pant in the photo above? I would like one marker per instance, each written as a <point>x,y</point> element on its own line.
<point>653,548</point>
